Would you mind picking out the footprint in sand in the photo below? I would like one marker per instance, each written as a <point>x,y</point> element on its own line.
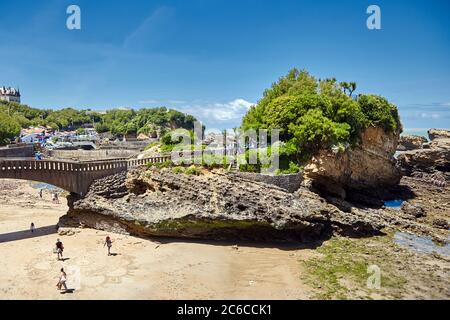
<point>42,265</point>
<point>118,272</point>
<point>93,281</point>
<point>113,280</point>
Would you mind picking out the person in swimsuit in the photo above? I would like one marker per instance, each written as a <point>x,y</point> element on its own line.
<point>62,280</point>
<point>108,243</point>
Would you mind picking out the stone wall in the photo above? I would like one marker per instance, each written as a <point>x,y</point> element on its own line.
<point>84,155</point>
<point>128,145</point>
<point>17,151</point>
<point>289,182</point>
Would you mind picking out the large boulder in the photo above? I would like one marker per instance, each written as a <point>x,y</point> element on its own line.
<point>436,157</point>
<point>411,142</point>
<point>438,134</point>
<point>370,165</point>
<point>215,205</point>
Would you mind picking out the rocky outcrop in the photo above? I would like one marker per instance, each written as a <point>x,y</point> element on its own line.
<point>438,134</point>
<point>217,205</point>
<point>412,142</point>
<point>435,158</point>
<point>370,165</point>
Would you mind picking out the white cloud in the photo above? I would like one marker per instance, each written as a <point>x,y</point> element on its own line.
<point>424,115</point>
<point>214,112</point>
<point>176,101</point>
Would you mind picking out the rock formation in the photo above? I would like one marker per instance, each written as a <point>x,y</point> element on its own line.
<point>438,134</point>
<point>412,142</point>
<point>216,205</point>
<point>221,205</point>
<point>435,157</point>
<point>369,165</point>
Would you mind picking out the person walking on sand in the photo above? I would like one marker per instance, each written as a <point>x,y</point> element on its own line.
<point>59,249</point>
<point>40,193</point>
<point>62,280</point>
<point>55,198</point>
<point>32,228</point>
<point>108,243</point>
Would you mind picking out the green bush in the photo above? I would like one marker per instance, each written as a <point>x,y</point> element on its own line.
<point>313,115</point>
<point>193,170</point>
<point>293,168</point>
<point>178,170</point>
<point>160,165</point>
<point>9,128</point>
<point>151,145</point>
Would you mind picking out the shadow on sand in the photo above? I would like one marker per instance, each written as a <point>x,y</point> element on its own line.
<point>281,245</point>
<point>27,234</point>
<point>67,291</point>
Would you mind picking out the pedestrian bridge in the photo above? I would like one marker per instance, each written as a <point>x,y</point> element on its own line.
<point>73,176</point>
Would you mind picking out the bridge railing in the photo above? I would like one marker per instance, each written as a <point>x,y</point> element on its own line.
<point>61,165</point>
<point>99,165</point>
<point>141,162</point>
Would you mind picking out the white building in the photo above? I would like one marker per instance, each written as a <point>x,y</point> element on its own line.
<point>30,138</point>
<point>9,94</point>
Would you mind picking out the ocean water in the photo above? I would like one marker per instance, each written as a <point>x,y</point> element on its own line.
<point>394,204</point>
<point>421,244</point>
<point>45,186</point>
<point>415,132</point>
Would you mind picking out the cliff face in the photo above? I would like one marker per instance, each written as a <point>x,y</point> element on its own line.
<point>412,142</point>
<point>218,205</point>
<point>370,165</point>
<point>432,162</point>
<point>213,206</point>
<point>438,134</point>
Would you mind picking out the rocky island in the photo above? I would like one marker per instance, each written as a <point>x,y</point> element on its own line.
<point>350,194</point>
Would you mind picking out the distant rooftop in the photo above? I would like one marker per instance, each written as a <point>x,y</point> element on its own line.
<point>9,91</point>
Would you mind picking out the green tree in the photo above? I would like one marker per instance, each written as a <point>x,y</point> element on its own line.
<point>9,128</point>
<point>315,114</point>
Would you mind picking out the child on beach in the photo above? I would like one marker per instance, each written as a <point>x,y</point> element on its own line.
<point>32,227</point>
<point>62,280</point>
<point>108,243</point>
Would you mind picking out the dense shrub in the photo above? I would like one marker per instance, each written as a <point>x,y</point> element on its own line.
<point>9,128</point>
<point>314,114</point>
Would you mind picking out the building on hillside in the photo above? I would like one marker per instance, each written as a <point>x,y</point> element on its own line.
<point>10,94</point>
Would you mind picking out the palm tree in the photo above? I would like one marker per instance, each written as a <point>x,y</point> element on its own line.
<point>344,86</point>
<point>351,88</point>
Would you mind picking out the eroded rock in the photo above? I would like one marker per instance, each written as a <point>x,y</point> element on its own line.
<point>412,142</point>
<point>438,134</point>
<point>369,165</point>
<point>213,206</point>
<point>430,160</point>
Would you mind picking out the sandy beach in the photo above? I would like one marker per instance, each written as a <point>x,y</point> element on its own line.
<point>141,269</point>
<point>162,268</point>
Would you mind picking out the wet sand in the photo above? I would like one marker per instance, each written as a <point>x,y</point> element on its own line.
<point>141,269</point>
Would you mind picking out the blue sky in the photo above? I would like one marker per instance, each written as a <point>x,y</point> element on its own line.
<point>214,58</point>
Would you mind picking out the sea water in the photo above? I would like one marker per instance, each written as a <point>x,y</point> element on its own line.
<point>44,186</point>
<point>394,204</point>
<point>421,244</point>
